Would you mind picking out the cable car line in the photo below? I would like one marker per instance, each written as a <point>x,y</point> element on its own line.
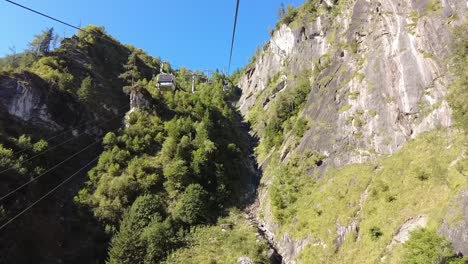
<point>88,146</point>
<point>47,194</point>
<point>233,35</point>
<point>44,15</point>
<point>114,42</point>
<point>49,170</point>
<point>59,21</point>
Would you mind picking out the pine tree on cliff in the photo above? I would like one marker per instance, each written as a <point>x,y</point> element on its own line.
<point>41,43</point>
<point>131,74</point>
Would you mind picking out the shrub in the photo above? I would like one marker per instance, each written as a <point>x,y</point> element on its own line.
<point>110,140</point>
<point>192,207</point>
<point>376,233</point>
<point>146,209</point>
<point>177,177</point>
<point>159,238</point>
<point>25,142</point>
<point>301,127</point>
<point>290,15</point>
<point>86,91</point>
<point>90,34</point>
<point>51,70</point>
<point>126,247</point>
<point>425,246</point>
<point>40,146</point>
<point>458,95</point>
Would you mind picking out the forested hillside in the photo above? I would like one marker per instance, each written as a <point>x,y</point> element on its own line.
<point>342,141</point>
<point>173,167</point>
<point>176,161</point>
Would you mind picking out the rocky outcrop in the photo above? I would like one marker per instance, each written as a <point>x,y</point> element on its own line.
<point>385,77</point>
<point>379,78</point>
<point>405,230</point>
<point>26,98</point>
<point>455,226</point>
<point>140,99</point>
<point>244,260</point>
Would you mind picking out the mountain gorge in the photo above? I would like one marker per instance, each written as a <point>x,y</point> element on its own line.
<point>342,141</point>
<point>169,162</point>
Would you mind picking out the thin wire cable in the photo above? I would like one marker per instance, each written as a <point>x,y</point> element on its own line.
<point>105,39</point>
<point>59,21</point>
<point>56,146</point>
<point>233,36</point>
<point>49,170</point>
<point>44,15</point>
<point>47,194</point>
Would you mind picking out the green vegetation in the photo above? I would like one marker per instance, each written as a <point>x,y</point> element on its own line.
<point>287,182</point>
<point>131,74</point>
<point>286,15</point>
<point>85,66</point>
<point>87,90</point>
<point>425,246</point>
<point>19,169</point>
<point>282,115</point>
<point>164,185</point>
<point>168,171</point>
<point>435,6</point>
<point>416,181</point>
<point>345,108</point>
<point>176,166</point>
<point>308,12</point>
<point>231,238</point>
<point>41,44</point>
<point>458,89</point>
<point>354,95</point>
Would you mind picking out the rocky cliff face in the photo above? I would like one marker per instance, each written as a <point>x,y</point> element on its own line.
<point>27,98</point>
<point>379,77</point>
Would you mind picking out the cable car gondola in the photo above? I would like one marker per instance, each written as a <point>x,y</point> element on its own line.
<point>166,81</point>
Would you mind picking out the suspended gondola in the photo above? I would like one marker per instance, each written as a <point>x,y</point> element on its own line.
<point>166,81</point>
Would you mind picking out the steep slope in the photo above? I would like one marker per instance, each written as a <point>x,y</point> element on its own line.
<point>352,82</point>
<point>172,167</point>
<point>181,162</point>
<point>52,106</point>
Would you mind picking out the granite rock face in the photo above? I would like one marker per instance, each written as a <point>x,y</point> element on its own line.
<point>379,78</point>
<point>140,99</point>
<point>457,231</point>
<point>27,98</point>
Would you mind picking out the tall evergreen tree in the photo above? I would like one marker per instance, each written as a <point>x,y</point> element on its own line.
<point>41,43</point>
<point>131,74</point>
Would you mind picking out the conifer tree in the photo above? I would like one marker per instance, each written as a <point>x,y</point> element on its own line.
<point>41,44</point>
<point>131,74</point>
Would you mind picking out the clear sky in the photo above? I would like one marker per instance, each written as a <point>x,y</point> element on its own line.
<point>192,34</point>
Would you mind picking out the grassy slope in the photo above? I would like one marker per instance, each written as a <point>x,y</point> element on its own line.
<point>422,179</point>
<point>212,245</point>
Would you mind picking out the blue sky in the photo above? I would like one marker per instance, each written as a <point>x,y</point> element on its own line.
<point>192,34</point>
